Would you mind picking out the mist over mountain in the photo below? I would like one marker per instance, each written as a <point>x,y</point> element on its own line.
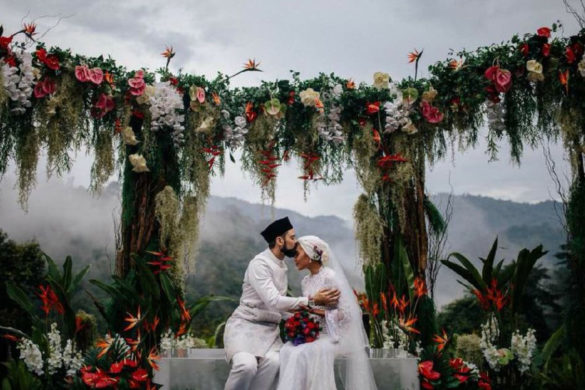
<point>67,220</point>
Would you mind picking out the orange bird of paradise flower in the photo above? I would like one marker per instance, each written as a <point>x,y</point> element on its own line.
<point>132,321</point>
<point>252,65</point>
<point>408,324</point>
<point>350,84</point>
<point>564,79</point>
<point>420,288</point>
<point>153,358</point>
<point>29,29</point>
<point>414,56</point>
<point>441,340</point>
<point>105,345</point>
<point>168,53</point>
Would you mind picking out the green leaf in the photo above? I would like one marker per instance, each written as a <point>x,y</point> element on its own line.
<point>20,297</point>
<point>67,266</point>
<point>167,287</point>
<point>488,264</point>
<point>476,280</point>
<point>77,279</point>
<point>111,291</point>
<point>400,250</point>
<point>552,344</point>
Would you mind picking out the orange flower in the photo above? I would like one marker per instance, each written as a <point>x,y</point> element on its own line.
<point>185,315</point>
<point>168,53</point>
<point>216,99</point>
<point>109,78</point>
<point>441,340</point>
<point>564,79</point>
<point>456,65</point>
<point>420,287</point>
<point>132,321</point>
<point>414,56</point>
<point>394,302</point>
<point>402,304</point>
<point>153,358</point>
<point>50,300</point>
<point>384,301</point>
<point>408,324</point>
<point>350,84</point>
<point>375,309</point>
<point>252,65</point>
<point>250,113</point>
<point>318,104</point>
<point>105,345</point>
<point>29,29</point>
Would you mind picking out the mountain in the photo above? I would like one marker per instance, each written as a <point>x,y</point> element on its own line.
<point>67,220</point>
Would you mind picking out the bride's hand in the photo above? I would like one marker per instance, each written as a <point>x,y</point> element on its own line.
<point>327,297</point>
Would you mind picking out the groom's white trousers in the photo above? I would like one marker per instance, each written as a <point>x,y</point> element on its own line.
<point>251,373</point>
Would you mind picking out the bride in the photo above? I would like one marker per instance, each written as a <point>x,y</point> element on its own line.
<point>309,366</point>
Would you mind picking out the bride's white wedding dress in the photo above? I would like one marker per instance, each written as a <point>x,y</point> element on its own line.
<point>310,366</point>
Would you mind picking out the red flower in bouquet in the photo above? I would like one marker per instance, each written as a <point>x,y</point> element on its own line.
<point>420,287</point>
<point>104,104</point>
<point>564,79</point>
<point>545,49</point>
<point>525,49</point>
<point>116,367</point>
<point>4,42</point>
<point>301,328</point>
<point>51,61</point>
<point>501,78</point>
<point>44,87</point>
<point>484,382</point>
<point>372,108</point>
<point>431,113</point>
<point>50,300</point>
<point>461,369</point>
<point>570,55</point>
<point>429,375</point>
<point>250,113</point>
<point>137,83</point>
<point>543,32</point>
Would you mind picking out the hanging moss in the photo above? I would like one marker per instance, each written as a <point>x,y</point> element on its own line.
<point>104,161</point>
<point>167,215</point>
<point>27,157</point>
<point>364,150</point>
<point>3,96</point>
<point>369,230</point>
<point>189,224</point>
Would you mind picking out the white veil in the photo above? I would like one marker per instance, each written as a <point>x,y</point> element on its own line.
<point>353,340</point>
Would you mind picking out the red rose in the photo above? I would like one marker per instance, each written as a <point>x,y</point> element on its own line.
<point>373,108</point>
<point>10,60</point>
<point>41,54</point>
<point>546,49</point>
<point>543,32</point>
<point>525,49</point>
<point>570,55</point>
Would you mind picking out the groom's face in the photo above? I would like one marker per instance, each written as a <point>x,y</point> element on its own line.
<point>288,243</point>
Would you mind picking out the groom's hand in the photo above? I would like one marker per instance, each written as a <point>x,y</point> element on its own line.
<point>327,297</point>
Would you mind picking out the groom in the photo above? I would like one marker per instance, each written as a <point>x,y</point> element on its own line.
<point>252,335</point>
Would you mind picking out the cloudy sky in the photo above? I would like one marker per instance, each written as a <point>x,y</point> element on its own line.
<point>351,38</point>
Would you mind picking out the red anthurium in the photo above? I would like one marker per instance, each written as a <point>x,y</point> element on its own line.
<point>543,32</point>
<point>372,108</point>
<point>431,113</point>
<point>426,370</point>
<point>525,49</point>
<point>116,367</point>
<point>570,55</point>
<point>546,49</point>
<point>44,87</point>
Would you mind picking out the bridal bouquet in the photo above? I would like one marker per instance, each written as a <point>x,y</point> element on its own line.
<point>301,328</point>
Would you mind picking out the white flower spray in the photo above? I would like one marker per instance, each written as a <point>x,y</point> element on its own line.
<point>30,354</point>
<point>164,105</point>
<point>523,347</point>
<point>19,82</point>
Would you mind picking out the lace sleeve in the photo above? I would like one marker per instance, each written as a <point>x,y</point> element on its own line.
<point>337,318</point>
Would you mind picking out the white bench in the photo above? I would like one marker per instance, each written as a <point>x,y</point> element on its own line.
<point>206,369</point>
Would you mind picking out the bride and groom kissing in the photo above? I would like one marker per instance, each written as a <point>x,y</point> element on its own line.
<point>259,359</point>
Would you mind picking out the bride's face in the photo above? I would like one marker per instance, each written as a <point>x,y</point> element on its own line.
<point>301,259</point>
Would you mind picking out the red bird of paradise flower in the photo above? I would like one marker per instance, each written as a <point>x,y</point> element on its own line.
<point>564,79</point>
<point>163,262</point>
<point>384,301</point>
<point>153,358</point>
<point>441,340</point>
<point>29,29</point>
<point>50,300</point>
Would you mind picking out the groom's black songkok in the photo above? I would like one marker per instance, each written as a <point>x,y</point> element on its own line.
<point>276,228</point>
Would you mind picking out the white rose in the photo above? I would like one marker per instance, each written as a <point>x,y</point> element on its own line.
<point>240,121</point>
<point>138,163</point>
<point>309,97</point>
<point>128,136</point>
<point>381,80</point>
<point>337,90</point>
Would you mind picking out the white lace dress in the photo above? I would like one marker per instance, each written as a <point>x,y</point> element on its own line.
<point>309,366</point>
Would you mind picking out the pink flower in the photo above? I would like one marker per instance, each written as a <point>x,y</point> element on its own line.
<point>96,76</point>
<point>82,73</point>
<point>503,80</point>
<point>430,113</point>
<point>200,93</point>
<point>104,104</point>
<point>44,87</point>
<point>137,84</point>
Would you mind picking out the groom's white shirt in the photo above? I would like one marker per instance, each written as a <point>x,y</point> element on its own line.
<point>253,327</point>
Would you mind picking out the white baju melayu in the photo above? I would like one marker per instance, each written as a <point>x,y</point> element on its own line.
<point>252,334</point>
